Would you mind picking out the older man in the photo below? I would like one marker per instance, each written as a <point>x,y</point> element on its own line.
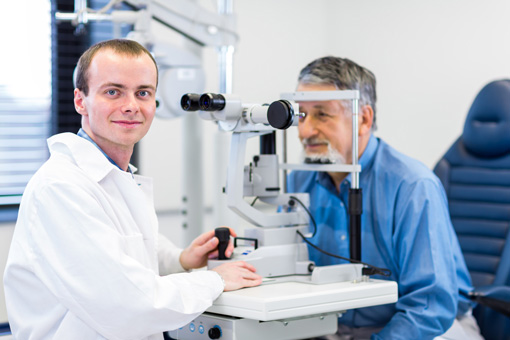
<point>405,223</point>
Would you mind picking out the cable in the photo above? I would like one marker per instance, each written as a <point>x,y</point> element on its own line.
<point>309,214</point>
<point>103,10</point>
<point>201,23</point>
<point>112,3</point>
<point>371,270</point>
<point>109,5</point>
<point>465,294</point>
<point>374,270</point>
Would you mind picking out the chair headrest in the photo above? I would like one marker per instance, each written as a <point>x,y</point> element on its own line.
<point>487,127</point>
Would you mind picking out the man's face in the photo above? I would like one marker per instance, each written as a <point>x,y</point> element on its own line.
<point>120,105</point>
<point>326,129</point>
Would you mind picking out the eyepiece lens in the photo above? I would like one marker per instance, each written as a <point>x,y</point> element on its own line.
<point>212,102</point>
<point>190,102</point>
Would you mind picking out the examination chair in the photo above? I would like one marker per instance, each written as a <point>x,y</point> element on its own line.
<point>475,172</point>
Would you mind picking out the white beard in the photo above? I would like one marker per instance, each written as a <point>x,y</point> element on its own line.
<point>329,157</point>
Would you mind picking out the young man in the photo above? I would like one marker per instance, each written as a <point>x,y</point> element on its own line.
<point>405,222</point>
<point>86,260</point>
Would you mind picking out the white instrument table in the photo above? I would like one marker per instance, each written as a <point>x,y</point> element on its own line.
<point>277,301</point>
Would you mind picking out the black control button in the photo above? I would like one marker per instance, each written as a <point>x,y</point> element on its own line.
<point>215,333</point>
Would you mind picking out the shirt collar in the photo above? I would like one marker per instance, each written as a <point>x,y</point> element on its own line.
<point>83,134</point>
<point>366,160</point>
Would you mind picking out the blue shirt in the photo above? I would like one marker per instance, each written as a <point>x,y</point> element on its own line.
<point>83,134</point>
<point>406,228</point>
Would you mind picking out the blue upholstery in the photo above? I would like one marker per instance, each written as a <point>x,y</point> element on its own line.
<point>4,329</point>
<point>475,172</point>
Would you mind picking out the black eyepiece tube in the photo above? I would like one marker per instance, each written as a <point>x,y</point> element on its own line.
<point>212,102</point>
<point>190,102</point>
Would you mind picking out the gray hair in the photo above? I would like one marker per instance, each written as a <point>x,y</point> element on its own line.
<point>344,74</point>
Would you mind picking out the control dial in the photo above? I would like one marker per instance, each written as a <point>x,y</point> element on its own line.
<point>215,332</point>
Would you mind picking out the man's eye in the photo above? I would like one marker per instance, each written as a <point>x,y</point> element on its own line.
<point>111,92</point>
<point>143,93</point>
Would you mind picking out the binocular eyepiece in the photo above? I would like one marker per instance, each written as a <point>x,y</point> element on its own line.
<point>190,102</point>
<point>279,114</point>
<point>204,102</point>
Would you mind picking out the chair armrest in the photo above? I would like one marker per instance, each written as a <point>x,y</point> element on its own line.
<point>495,297</point>
<point>496,292</point>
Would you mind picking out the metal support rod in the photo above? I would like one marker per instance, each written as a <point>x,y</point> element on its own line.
<point>225,63</point>
<point>193,207</point>
<point>284,158</point>
<point>90,17</point>
<point>192,178</point>
<point>80,6</point>
<point>355,193</point>
<point>355,152</point>
<point>222,214</point>
<point>225,53</point>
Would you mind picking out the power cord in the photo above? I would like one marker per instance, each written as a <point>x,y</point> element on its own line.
<point>370,270</point>
<point>309,214</point>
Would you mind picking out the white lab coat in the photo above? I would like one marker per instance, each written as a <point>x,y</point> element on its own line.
<point>83,262</point>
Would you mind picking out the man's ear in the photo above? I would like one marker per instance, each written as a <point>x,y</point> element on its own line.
<point>79,102</point>
<point>366,119</point>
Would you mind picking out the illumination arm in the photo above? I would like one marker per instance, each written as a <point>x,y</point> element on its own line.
<point>204,27</point>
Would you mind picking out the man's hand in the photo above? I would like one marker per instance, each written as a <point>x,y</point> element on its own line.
<point>202,248</point>
<point>238,274</point>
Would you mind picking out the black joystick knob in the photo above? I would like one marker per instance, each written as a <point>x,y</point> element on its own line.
<point>223,234</point>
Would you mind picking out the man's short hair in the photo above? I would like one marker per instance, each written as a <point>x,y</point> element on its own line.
<point>119,46</point>
<point>344,74</point>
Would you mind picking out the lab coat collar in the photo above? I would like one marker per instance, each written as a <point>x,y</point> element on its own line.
<point>87,156</point>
